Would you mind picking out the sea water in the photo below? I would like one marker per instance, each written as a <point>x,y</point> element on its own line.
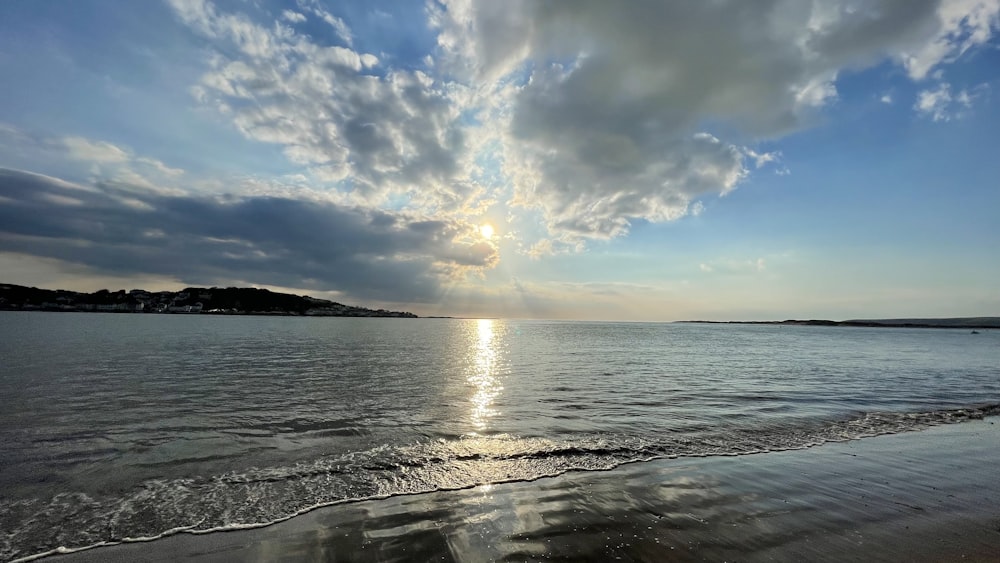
<point>116,427</point>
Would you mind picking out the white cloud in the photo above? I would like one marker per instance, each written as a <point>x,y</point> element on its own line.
<point>292,16</point>
<point>960,25</point>
<point>396,134</point>
<point>159,167</point>
<point>548,247</point>
<point>338,25</point>
<point>940,104</point>
<point>886,99</point>
<point>202,15</point>
<point>94,151</point>
<point>109,162</point>
<point>733,266</point>
<point>761,159</point>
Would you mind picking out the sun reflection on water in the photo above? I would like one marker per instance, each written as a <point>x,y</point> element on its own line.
<point>484,377</point>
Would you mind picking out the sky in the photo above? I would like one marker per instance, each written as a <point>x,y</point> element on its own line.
<point>565,159</point>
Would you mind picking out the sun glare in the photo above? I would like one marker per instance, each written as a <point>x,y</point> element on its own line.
<point>484,378</point>
<point>486,230</point>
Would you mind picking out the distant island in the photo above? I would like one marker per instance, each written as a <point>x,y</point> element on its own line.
<point>961,322</point>
<point>192,300</point>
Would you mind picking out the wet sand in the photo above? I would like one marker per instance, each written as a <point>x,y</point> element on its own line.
<point>932,495</point>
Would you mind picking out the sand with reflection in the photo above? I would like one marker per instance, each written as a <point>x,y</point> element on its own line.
<point>919,496</point>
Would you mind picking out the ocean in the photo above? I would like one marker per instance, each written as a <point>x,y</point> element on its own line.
<point>120,427</point>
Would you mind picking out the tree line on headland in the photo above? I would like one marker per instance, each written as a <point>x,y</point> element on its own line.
<point>199,300</point>
<point>957,322</point>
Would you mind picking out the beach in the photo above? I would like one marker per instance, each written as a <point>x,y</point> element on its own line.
<point>929,495</point>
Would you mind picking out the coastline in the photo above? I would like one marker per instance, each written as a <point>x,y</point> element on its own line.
<point>929,495</point>
<point>984,323</point>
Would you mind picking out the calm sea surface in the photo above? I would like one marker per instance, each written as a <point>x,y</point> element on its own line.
<point>129,426</point>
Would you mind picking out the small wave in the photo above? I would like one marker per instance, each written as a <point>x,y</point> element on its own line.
<point>262,496</point>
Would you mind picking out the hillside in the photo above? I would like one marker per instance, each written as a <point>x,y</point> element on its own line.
<point>197,300</point>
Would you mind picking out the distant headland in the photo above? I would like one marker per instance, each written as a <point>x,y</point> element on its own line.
<point>192,300</point>
<point>960,322</point>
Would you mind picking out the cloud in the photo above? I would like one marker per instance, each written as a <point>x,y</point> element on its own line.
<point>159,166</point>
<point>596,115</point>
<point>612,113</point>
<point>606,288</point>
<point>84,149</point>
<point>761,159</point>
<point>940,104</point>
<point>365,253</point>
<point>886,99</point>
<point>959,25</point>
<point>731,266</point>
<point>98,159</point>
<point>338,25</point>
<point>103,153</point>
<point>594,192</point>
<point>113,163</point>
<point>386,135</point>
<point>292,16</point>
<point>521,298</point>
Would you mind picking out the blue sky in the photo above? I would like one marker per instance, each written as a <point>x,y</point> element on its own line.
<point>639,161</point>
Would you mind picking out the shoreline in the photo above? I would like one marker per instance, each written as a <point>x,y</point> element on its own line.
<point>853,324</point>
<point>406,315</point>
<point>923,495</point>
<point>239,314</point>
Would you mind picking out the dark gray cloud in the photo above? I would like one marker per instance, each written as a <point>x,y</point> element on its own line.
<point>366,253</point>
<point>606,128</point>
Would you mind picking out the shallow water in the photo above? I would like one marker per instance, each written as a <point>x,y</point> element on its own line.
<point>119,426</point>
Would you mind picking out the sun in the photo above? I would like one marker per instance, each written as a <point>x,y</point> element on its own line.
<point>486,230</point>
